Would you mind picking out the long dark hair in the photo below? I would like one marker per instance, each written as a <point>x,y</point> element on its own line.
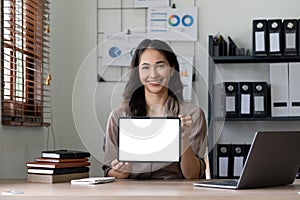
<point>134,94</point>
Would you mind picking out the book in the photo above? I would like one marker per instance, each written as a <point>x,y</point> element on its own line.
<point>57,170</point>
<point>56,165</point>
<point>57,178</point>
<point>65,154</point>
<point>93,180</point>
<point>61,160</point>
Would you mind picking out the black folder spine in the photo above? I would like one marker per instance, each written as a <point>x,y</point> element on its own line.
<point>275,37</point>
<point>290,36</point>
<point>260,37</point>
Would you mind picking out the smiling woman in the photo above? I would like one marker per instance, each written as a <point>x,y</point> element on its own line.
<point>154,89</point>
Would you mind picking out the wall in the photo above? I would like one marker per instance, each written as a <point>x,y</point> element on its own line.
<point>73,35</point>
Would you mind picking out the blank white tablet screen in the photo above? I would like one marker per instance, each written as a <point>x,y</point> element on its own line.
<point>149,139</point>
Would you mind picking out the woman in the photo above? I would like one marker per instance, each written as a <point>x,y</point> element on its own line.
<point>154,89</point>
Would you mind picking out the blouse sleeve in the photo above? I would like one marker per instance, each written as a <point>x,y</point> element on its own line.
<point>111,142</point>
<point>198,136</point>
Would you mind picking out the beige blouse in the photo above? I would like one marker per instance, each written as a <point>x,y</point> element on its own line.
<point>158,170</point>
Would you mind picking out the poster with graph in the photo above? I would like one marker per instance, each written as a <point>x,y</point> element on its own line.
<point>118,48</point>
<point>173,24</point>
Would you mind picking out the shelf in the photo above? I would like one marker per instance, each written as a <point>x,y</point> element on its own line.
<point>258,119</point>
<point>255,59</point>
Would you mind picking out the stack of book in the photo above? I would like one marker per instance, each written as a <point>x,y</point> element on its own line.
<point>59,166</point>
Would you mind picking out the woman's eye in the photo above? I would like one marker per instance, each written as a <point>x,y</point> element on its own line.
<point>160,66</point>
<point>145,67</point>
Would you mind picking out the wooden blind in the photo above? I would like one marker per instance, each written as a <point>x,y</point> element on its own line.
<point>25,62</point>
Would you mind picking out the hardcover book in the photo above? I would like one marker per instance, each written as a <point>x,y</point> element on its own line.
<point>65,154</point>
<point>57,170</point>
<point>58,178</point>
<point>56,165</point>
<point>63,160</point>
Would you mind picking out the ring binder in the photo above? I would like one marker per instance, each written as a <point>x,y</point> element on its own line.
<point>238,155</point>
<point>260,99</point>
<point>275,35</point>
<point>290,37</point>
<point>245,104</point>
<point>231,99</point>
<point>260,37</point>
<point>224,161</point>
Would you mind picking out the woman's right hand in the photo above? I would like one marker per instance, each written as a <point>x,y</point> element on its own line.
<point>120,169</point>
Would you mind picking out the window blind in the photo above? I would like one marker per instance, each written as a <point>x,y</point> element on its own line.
<point>25,62</point>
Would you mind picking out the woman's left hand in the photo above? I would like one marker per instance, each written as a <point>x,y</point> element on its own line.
<point>186,125</point>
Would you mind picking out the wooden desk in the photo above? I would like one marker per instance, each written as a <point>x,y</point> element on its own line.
<point>144,189</point>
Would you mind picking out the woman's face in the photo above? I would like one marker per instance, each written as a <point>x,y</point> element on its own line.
<point>154,71</point>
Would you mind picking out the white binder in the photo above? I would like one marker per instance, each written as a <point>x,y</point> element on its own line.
<point>294,89</point>
<point>279,89</point>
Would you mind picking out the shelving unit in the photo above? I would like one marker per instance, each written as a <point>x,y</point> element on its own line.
<point>243,62</point>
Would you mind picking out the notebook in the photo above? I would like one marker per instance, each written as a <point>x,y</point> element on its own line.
<point>149,139</point>
<point>273,160</point>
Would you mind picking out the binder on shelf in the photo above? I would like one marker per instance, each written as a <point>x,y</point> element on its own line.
<point>260,99</point>
<point>238,159</point>
<point>231,99</point>
<point>222,46</point>
<point>294,94</point>
<point>275,35</point>
<point>260,37</point>
<point>219,103</point>
<point>245,104</point>
<point>279,89</point>
<point>224,168</point>
<point>290,37</point>
<point>217,46</point>
<point>231,47</point>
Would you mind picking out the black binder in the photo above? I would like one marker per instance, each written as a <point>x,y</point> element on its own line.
<point>260,99</point>
<point>231,99</point>
<point>245,102</point>
<point>238,159</point>
<point>260,37</point>
<point>224,162</point>
<point>275,35</point>
<point>290,36</point>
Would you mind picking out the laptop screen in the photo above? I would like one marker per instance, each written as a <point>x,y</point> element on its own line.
<point>145,139</point>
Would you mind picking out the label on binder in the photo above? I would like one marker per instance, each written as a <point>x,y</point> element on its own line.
<point>260,41</point>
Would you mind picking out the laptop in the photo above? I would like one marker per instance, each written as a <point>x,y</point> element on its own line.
<point>273,160</point>
<point>149,139</point>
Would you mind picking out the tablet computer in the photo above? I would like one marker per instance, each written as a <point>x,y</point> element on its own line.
<point>149,139</point>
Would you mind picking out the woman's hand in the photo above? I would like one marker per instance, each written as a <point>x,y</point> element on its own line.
<point>186,125</point>
<point>189,164</point>
<point>120,169</point>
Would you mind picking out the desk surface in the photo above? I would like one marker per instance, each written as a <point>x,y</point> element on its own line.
<point>144,189</point>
